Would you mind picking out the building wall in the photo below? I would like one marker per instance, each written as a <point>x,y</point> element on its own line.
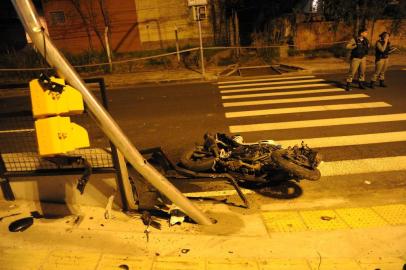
<point>135,24</point>
<point>71,35</point>
<point>158,20</point>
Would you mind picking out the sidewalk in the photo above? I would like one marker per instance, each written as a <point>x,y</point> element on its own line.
<point>317,65</point>
<point>342,238</point>
<point>179,75</point>
<point>159,76</point>
<point>331,65</point>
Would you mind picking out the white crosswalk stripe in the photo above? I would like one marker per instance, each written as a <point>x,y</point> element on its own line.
<point>284,93</point>
<point>373,138</point>
<point>274,88</point>
<point>279,93</point>
<point>270,83</point>
<point>292,100</point>
<point>368,165</point>
<point>268,79</point>
<point>304,109</point>
<point>319,123</point>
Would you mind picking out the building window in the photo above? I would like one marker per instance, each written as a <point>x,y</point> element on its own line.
<point>57,17</point>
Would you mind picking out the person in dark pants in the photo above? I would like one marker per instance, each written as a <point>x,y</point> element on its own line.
<point>359,47</point>
<point>382,50</point>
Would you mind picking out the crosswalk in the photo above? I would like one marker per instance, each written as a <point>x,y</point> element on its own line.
<point>303,106</point>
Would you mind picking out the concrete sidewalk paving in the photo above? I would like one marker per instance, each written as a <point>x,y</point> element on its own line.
<point>79,237</point>
<point>332,65</point>
<point>161,76</point>
<point>315,65</point>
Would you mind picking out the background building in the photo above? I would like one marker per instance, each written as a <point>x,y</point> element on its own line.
<point>128,25</point>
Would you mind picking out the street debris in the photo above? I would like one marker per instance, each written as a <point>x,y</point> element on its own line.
<point>367,182</point>
<point>11,215</point>
<point>21,225</point>
<point>124,267</point>
<point>78,220</point>
<point>36,215</point>
<point>148,220</point>
<point>67,161</point>
<point>109,206</point>
<point>185,250</point>
<point>177,217</point>
<point>327,218</point>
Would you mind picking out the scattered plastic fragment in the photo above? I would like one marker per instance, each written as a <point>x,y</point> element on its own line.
<point>108,213</point>
<point>177,217</point>
<point>149,221</point>
<point>326,218</point>
<point>12,215</point>
<point>21,225</point>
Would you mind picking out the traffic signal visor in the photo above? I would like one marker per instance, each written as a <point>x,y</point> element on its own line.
<point>57,135</point>
<point>47,102</point>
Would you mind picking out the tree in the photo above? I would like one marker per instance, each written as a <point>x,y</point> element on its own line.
<point>356,13</point>
<point>89,15</point>
<point>233,6</point>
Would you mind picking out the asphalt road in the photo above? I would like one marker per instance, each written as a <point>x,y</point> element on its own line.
<point>361,133</point>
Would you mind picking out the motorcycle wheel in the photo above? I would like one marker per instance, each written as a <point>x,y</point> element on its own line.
<point>203,164</point>
<point>295,169</point>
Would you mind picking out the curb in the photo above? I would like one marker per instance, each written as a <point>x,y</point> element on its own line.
<point>112,86</point>
<point>288,74</point>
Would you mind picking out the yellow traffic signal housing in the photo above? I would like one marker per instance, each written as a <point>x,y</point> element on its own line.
<point>46,102</point>
<point>57,135</point>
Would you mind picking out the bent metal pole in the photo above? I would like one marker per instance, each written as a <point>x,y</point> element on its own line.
<point>29,18</point>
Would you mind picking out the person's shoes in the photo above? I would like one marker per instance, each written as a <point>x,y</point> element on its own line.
<point>361,85</point>
<point>348,86</point>
<point>382,83</point>
<point>372,85</point>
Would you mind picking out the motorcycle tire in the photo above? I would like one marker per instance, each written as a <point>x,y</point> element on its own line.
<point>197,165</point>
<point>296,170</point>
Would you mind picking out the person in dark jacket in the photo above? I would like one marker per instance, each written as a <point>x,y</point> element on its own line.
<point>359,47</point>
<point>382,50</point>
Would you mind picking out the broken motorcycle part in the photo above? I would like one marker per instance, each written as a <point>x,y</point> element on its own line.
<point>21,225</point>
<point>251,162</point>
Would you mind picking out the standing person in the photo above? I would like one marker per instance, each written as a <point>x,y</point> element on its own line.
<point>382,50</point>
<point>359,47</point>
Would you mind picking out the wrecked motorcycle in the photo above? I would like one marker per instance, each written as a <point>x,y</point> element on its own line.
<point>262,162</point>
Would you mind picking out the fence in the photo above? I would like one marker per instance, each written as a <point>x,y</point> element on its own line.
<point>214,56</point>
<point>187,58</point>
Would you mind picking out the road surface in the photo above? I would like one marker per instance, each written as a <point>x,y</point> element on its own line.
<point>361,134</point>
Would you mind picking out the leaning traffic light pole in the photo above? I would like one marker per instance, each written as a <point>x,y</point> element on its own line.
<point>45,46</point>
